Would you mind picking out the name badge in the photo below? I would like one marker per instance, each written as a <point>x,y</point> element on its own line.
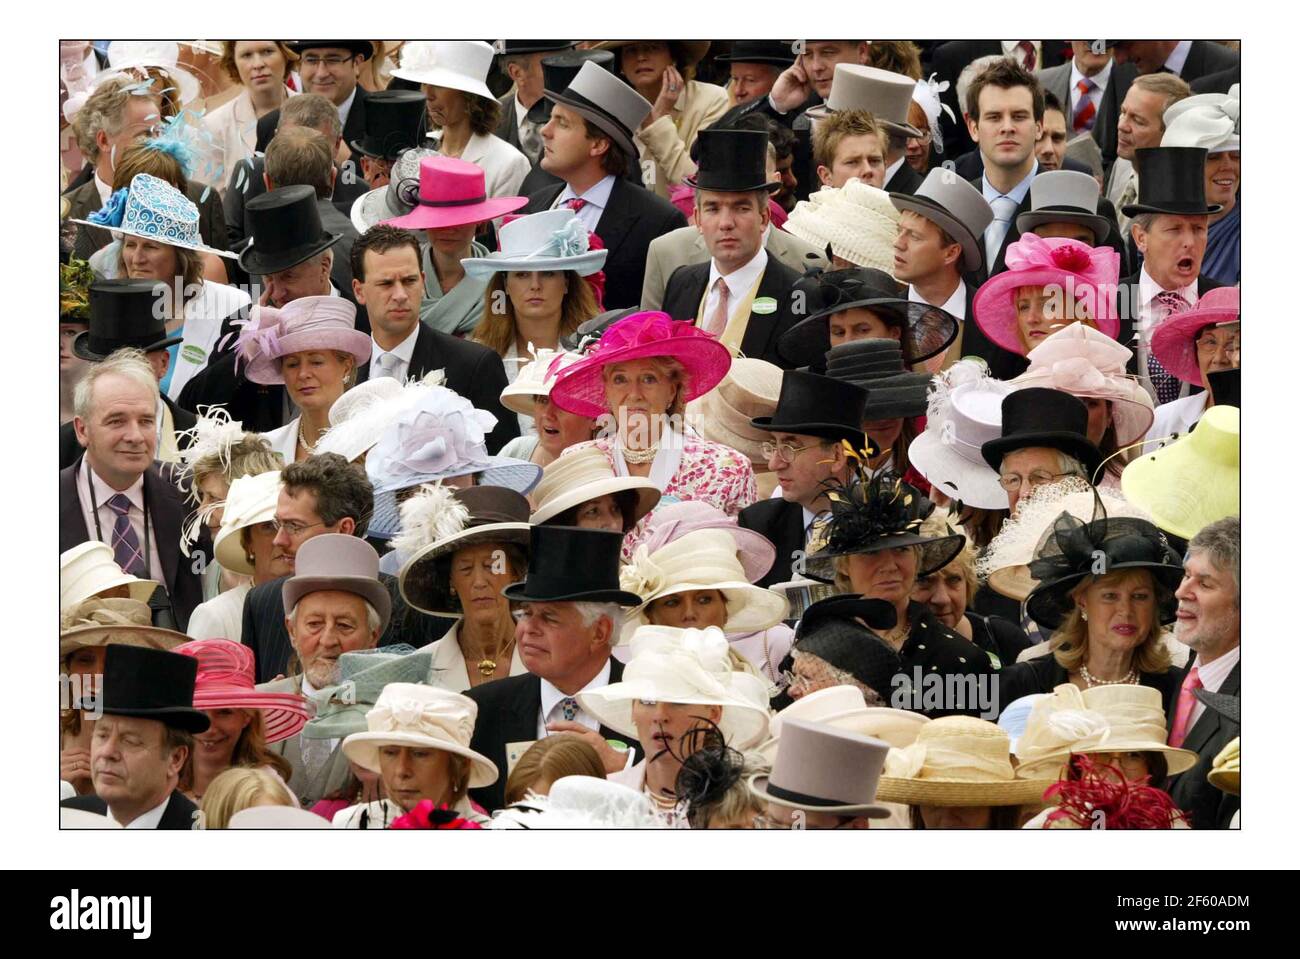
<point>194,354</point>
<point>763,306</point>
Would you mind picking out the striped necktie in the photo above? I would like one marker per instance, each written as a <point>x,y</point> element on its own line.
<point>1166,385</point>
<point>1087,112</point>
<point>126,545</point>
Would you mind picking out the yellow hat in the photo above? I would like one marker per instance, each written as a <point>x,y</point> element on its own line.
<point>1226,771</point>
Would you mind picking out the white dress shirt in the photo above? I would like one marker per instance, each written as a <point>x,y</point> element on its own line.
<point>996,232</point>
<point>1213,675</point>
<point>1150,315</point>
<point>105,191</point>
<point>1012,48</point>
<point>955,304</point>
<point>597,199</point>
<point>403,351</point>
<point>551,698</point>
<point>147,820</point>
<point>1178,59</point>
<point>739,283</point>
<point>346,107</point>
<point>103,492</point>
<point>1095,93</point>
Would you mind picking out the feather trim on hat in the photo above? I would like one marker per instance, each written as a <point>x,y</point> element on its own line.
<point>74,291</point>
<point>433,513</point>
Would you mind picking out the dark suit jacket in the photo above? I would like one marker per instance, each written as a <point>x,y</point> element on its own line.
<point>686,289</point>
<point>905,180</point>
<point>1127,333</point>
<point>1044,674</point>
<point>633,218</point>
<point>84,200</point>
<point>167,512</point>
<point>781,522</point>
<point>70,450</point>
<point>179,813</point>
<point>1218,82</point>
<point>1207,806</point>
<point>263,628</point>
<point>354,129</point>
<point>332,221</point>
<point>348,185</point>
<point>258,406</point>
<point>472,370</point>
<point>507,713</point>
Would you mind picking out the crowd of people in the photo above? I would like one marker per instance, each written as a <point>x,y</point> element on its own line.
<point>650,434</point>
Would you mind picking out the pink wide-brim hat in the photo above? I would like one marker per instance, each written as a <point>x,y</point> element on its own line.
<point>226,680</point>
<point>450,192</point>
<point>1091,274</point>
<point>1174,341</point>
<point>307,323</point>
<point>581,388</point>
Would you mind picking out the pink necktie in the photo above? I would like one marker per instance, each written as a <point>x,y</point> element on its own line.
<point>1183,712</point>
<point>718,321</point>
<point>575,203</point>
<point>1031,55</point>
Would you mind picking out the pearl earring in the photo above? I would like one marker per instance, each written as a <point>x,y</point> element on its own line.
<point>1083,613</point>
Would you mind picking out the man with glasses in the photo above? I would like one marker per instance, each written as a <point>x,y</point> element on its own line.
<point>322,494</point>
<point>814,417</point>
<point>330,68</point>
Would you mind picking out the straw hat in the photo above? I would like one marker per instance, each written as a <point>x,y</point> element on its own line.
<point>688,667</point>
<point>583,473</point>
<point>957,761</point>
<point>1174,341</point>
<point>549,240</point>
<point>226,680</point>
<point>251,501</point>
<point>1089,364</point>
<point>153,209</point>
<point>307,323</point>
<point>703,559</point>
<point>826,770</point>
<point>1015,716</point>
<point>674,520</point>
<point>857,221</point>
<point>421,717</point>
<point>1192,482</point>
<point>454,64</point>
<point>844,707</point>
<point>749,390</point>
<point>104,622</point>
<point>1105,719</point>
<point>536,378</point>
<point>89,569</point>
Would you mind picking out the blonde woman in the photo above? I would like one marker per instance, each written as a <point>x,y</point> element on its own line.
<point>242,788</point>
<point>549,760</point>
<point>261,70</point>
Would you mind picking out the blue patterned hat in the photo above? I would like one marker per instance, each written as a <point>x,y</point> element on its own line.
<point>153,209</point>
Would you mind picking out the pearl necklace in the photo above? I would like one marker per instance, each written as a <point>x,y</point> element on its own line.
<point>302,438</point>
<point>639,457</point>
<point>1128,678</point>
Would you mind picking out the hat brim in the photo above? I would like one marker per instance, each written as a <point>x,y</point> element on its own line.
<point>447,79</point>
<point>936,792</point>
<point>438,217</point>
<point>774,61</point>
<point>825,431</point>
<point>517,475</point>
<point>178,717</point>
<point>1182,489</point>
<point>584,264</point>
<point>995,309</point>
<point>146,637</point>
<point>972,253</point>
<point>363,749</point>
<point>371,209</point>
<point>968,481</point>
<point>228,549</point>
<point>196,247</point>
<point>1174,341</point>
<point>419,582</point>
<point>1072,444</point>
<point>694,50</point>
<point>1173,209</point>
<point>742,724</point>
<point>371,590</point>
<point>283,714</point>
<point>821,111</point>
<point>519,592</point>
<point>1053,764</point>
<point>758,785</point>
<point>580,388</point>
<point>81,349</point>
<point>1050,602</point>
<point>648,496</point>
<point>266,370</point>
<point>755,609</point>
<point>936,552</point>
<point>258,263</point>
<point>930,330</point>
<point>693,181</point>
<point>1030,221</point>
<point>361,48</point>
<point>606,125</point>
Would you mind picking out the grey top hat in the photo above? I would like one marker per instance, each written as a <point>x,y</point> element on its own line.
<point>885,95</point>
<point>363,674</point>
<point>954,205</point>
<point>819,768</point>
<point>1064,196</point>
<point>597,95</point>
<point>336,561</point>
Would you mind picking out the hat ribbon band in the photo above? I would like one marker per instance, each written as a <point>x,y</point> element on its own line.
<point>803,799</point>
<point>472,201</point>
<point>440,721</point>
<point>407,191</point>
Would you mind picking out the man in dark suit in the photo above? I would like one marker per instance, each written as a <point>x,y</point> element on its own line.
<point>115,493</point>
<point>521,61</point>
<point>1209,622</point>
<point>571,610</point>
<point>588,144</point>
<point>814,415</point>
<point>1080,86</point>
<point>742,296</point>
<point>388,282</point>
<point>143,739</point>
<point>330,68</point>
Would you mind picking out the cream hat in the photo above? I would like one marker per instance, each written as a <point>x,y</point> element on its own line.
<point>89,569</point>
<point>536,378</point>
<point>687,667</point>
<point>858,221</point>
<point>412,714</point>
<point>1226,771</point>
<point>750,389</point>
<point>251,500</point>
<point>582,473</point>
<point>1105,719</point>
<point>957,761</point>
<point>703,559</point>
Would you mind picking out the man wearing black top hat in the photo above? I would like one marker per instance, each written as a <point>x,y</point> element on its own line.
<point>143,739</point>
<point>332,69</point>
<point>572,608</point>
<point>742,296</point>
<point>521,61</point>
<point>292,254</point>
<point>395,121</point>
<point>589,146</point>
<point>1170,224</point>
<point>814,416</point>
<point>1044,440</point>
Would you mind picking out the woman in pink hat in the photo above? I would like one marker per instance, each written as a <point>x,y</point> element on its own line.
<point>312,346</point>
<point>1048,284</point>
<point>242,720</point>
<point>448,203</point>
<point>636,382</point>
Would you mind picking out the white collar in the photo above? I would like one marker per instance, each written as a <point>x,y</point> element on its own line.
<point>1148,288</point>
<point>146,820</point>
<point>105,191</point>
<point>346,106</point>
<point>741,281</point>
<point>521,112</point>
<point>1214,673</point>
<point>103,492</point>
<point>1011,46</point>
<point>1099,81</point>
<point>956,304</point>
<point>1178,57</point>
<point>403,351</point>
<point>597,196</point>
<point>551,696</point>
<point>894,167</point>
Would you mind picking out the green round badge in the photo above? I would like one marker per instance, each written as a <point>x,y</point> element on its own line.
<point>194,354</point>
<point>763,306</point>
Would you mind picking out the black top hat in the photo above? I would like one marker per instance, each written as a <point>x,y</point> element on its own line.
<point>732,161</point>
<point>558,72</point>
<point>571,565</point>
<point>362,48</point>
<point>1171,180</point>
<point>151,684</point>
<point>877,365</point>
<point>283,230</point>
<point>122,314</point>
<point>1042,417</point>
<point>928,329</point>
<point>776,52</point>
<point>516,48</point>
<point>813,405</point>
<point>394,122</point>
<point>1074,550</point>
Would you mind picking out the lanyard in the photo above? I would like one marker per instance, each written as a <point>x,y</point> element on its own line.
<point>99,533</point>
